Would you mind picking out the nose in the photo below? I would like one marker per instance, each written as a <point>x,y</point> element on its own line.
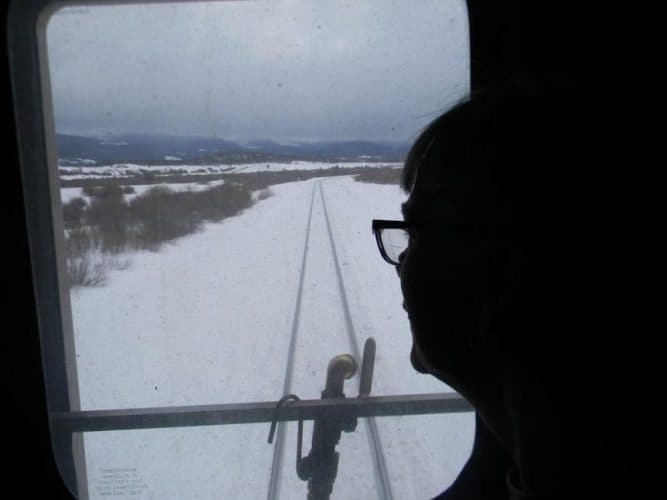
<point>401,256</point>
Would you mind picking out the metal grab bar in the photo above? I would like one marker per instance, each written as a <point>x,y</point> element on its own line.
<point>246,413</point>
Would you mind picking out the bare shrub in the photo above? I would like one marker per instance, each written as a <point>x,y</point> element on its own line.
<point>73,212</point>
<point>117,262</point>
<point>151,214</point>
<point>89,189</point>
<point>108,213</point>
<point>88,263</point>
<point>380,175</point>
<point>162,215</point>
<point>220,201</point>
<point>147,175</point>
<point>113,226</point>
<point>82,271</point>
<point>263,194</point>
<point>109,226</point>
<point>137,179</point>
<point>255,181</point>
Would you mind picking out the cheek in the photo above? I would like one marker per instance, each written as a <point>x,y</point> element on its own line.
<point>417,280</point>
<point>441,307</point>
<point>435,283</point>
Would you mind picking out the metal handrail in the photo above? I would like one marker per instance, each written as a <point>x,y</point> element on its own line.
<point>246,413</point>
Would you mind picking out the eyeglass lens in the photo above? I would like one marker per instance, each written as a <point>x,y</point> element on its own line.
<point>394,242</point>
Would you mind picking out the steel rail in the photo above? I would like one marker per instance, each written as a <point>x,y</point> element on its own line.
<point>377,454</point>
<point>278,450</point>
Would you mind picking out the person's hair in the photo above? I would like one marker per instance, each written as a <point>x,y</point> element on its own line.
<point>516,144</point>
<point>534,168</point>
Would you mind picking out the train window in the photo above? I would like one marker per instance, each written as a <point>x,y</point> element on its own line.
<point>199,208</point>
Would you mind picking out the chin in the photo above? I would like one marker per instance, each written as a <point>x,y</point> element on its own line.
<point>416,361</point>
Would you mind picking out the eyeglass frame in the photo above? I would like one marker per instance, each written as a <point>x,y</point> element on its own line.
<point>378,225</point>
<point>483,236</point>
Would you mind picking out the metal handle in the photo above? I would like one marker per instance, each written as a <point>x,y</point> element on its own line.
<point>367,366</point>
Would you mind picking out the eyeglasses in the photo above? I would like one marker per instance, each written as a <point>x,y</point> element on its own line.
<point>392,238</point>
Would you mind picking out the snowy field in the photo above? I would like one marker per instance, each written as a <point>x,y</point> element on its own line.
<point>208,319</point>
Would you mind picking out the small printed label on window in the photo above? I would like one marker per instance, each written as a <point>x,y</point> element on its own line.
<point>119,482</point>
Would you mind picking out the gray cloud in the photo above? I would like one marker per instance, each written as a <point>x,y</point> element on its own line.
<point>286,70</point>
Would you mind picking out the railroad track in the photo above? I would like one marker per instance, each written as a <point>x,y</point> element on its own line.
<point>377,454</point>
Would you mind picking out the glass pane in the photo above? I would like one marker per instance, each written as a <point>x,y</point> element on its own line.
<point>202,462</point>
<point>212,462</point>
<point>219,165</point>
<point>423,455</point>
<point>394,241</point>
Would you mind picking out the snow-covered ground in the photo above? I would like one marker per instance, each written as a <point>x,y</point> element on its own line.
<point>208,320</point>
<point>128,170</point>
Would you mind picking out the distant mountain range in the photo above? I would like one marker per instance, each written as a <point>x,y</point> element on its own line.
<point>151,149</point>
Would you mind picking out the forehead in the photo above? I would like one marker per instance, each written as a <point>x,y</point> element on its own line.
<point>451,195</point>
<point>422,206</point>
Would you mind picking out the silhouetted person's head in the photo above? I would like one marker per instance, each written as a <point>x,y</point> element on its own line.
<point>515,268</point>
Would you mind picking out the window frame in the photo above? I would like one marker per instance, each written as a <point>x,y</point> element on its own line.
<point>37,154</point>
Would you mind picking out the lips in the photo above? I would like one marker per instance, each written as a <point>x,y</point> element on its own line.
<point>416,361</point>
<point>414,357</point>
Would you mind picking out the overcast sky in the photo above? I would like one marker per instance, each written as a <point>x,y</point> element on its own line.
<point>282,70</point>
